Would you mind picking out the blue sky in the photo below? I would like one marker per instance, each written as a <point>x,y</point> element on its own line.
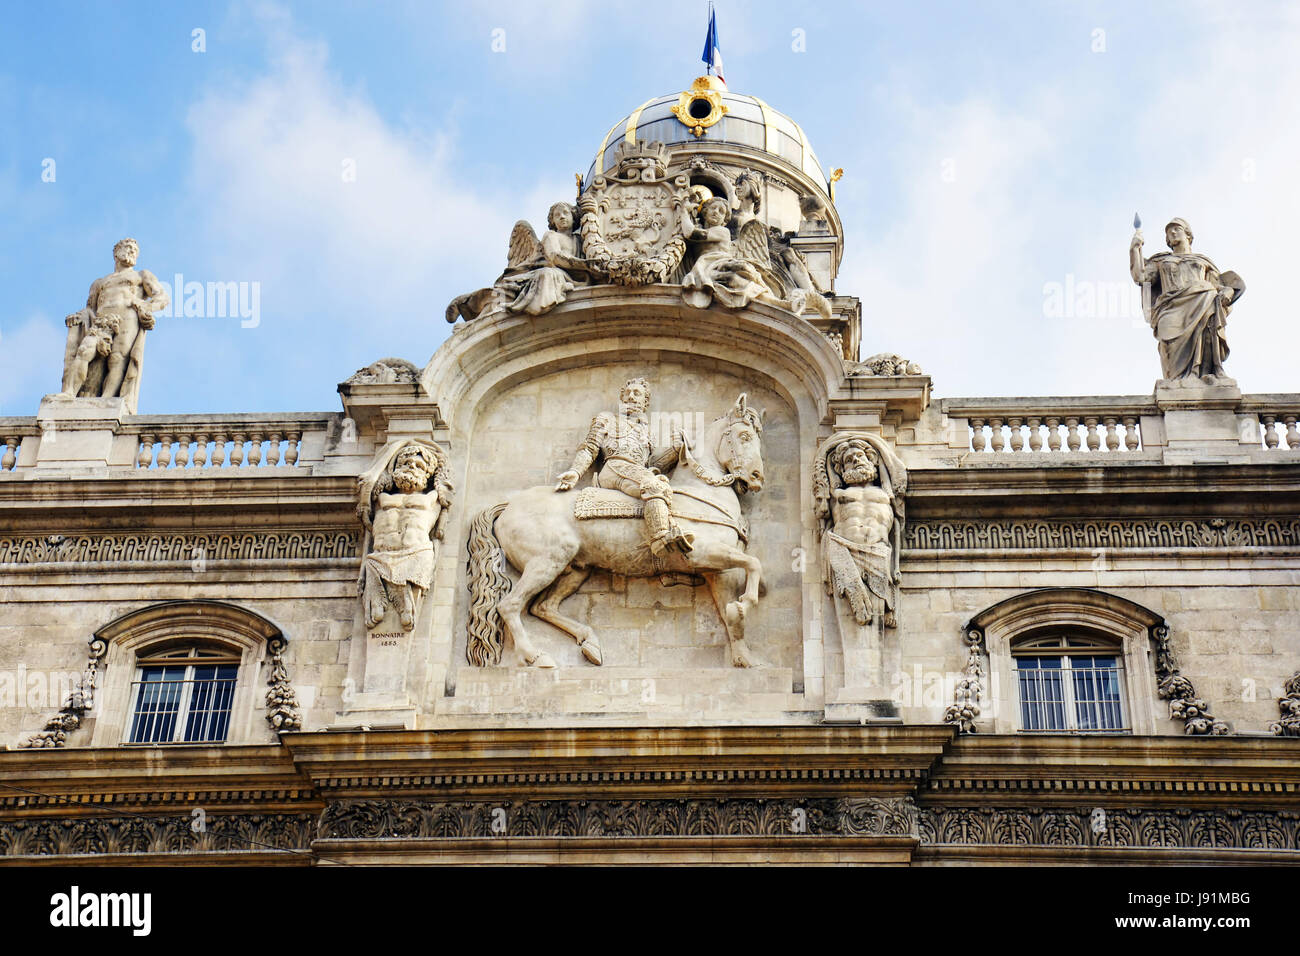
<point>991,150</point>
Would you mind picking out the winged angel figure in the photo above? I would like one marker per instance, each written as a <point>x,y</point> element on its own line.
<point>730,270</point>
<point>539,272</point>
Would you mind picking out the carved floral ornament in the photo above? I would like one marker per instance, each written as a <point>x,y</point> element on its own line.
<point>124,639</point>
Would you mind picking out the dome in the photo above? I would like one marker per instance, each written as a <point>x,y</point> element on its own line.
<point>708,113</point>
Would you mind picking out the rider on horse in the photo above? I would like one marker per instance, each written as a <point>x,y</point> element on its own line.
<point>631,465</point>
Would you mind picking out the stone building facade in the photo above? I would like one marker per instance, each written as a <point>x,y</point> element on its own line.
<point>647,564</point>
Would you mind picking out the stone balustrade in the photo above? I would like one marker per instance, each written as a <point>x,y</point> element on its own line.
<point>1082,426</point>
<point>1278,415</point>
<point>12,434</point>
<point>227,442</point>
<point>235,444</point>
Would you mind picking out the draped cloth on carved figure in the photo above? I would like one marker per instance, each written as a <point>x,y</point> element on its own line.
<point>727,270</point>
<point>539,273</point>
<point>403,500</point>
<point>1187,302</point>
<point>858,488</point>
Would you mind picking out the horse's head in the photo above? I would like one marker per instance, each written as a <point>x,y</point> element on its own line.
<point>736,447</point>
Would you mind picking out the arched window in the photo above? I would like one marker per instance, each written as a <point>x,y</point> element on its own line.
<point>1071,682</point>
<point>192,672</point>
<point>183,694</point>
<point>1067,660</point>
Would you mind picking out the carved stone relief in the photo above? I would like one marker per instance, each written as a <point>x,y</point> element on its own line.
<point>1289,724</point>
<point>386,371</point>
<point>631,223</point>
<point>403,498</point>
<point>79,703</point>
<point>858,488</point>
<point>689,526</point>
<point>970,688</point>
<point>1184,705</point>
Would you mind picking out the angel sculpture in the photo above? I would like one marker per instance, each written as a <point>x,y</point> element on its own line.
<point>538,275</point>
<point>728,270</point>
<point>806,293</point>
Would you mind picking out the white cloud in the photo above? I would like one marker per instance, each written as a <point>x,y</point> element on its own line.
<point>1047,187</point>
<point>359,230</point>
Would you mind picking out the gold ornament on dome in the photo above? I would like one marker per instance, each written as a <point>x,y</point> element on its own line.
<point>701,106</point>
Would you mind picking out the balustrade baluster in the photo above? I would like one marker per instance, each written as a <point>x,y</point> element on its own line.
<point>164,451</point>
<point>145,456</point>
<point>273,449</point>
<point>237,450</point>
<point>1094,439</point>
<point>995,433</point>
<point>1035,436</point>
<point>1072,433</point>
<point>182,450</point>
<point>977,434</point>
<point>1270,436</point>
<point>291,450</point>
<point>218,449</point>
<point>1112,439</point>
<point>200,450</point>
<point>1131,441</point>
<point>1292,435</point>
<point>1017,439</point>
<point>10,457</point>
<point>254,449</point>
<point>1053,436</point>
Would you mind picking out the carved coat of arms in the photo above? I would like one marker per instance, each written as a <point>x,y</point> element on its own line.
<point>632,222</point>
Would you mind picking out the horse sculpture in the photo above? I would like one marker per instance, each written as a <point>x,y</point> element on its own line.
<point>555,551</point>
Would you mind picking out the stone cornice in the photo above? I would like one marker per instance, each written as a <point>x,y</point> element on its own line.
<point>1229,771</point>
<point>1106,481</point>
<point>57,781</point>
<point>190,495</point>
<point>662,760</point>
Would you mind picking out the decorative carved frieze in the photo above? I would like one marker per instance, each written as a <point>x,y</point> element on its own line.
<point>1289,724</point>
<point>966,695</point>
<point>1147,828</point>
<point>78,704</point>
<point>1117,533</point>
<point>1184,705</point>
<point>163,546</point>
<point>419,819</point>
<point>171,833</point>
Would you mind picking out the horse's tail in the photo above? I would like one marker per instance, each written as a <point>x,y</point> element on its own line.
<point>488,583</point>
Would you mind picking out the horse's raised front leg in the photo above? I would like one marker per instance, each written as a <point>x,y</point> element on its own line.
<point>548,609</point>
<point>537,574</point>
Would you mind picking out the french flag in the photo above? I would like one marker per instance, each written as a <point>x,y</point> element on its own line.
<point>712,52</point>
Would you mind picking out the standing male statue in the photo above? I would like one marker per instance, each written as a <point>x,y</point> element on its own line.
<point>106,339</point>
<point>403,498</point>
<point>1187,301</point>
<point>860,503</point>
<point>631,465</point>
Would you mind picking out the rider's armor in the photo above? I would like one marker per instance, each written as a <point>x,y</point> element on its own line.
<point>630,466</point>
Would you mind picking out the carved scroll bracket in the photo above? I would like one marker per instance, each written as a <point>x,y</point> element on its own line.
<point>79,703</point>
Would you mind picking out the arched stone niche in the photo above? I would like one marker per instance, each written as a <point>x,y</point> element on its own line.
<point>518,394</point>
